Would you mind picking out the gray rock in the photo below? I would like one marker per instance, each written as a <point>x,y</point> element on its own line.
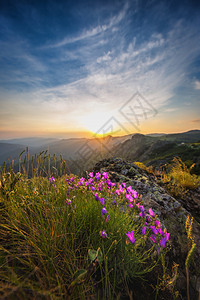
<point>169,210</point>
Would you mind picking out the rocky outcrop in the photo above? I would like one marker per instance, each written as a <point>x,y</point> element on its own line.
<point>171,212</point>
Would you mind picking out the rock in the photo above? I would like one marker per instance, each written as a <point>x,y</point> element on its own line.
<point>172,213</point>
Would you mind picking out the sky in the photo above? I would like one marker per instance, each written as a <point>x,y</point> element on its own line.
<point>78,68</point>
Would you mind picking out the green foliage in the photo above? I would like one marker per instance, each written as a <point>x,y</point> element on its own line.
<point>48,224</point>
<point>192,245</point>
<point>177,175</point>
<point>181,175</point>
<point>93,255</point>
<point>46,230</point>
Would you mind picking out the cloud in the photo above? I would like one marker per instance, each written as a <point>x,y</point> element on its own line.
<point>112,78</point>
<point>86,34</point>
<point>170,110</point>
<point>197,84</point>
<point>99,69</point>
<point>195,121</point>
<point>104,58</point>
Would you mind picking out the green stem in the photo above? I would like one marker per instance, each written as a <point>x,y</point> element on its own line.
<point>187,276</point>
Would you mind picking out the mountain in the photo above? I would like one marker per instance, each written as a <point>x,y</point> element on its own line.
<point>30,142</point>
<point>154,149</point>
<point>160,150</point>
<point>70,149</point>
<point>155,134</point>
<point>81,148</point>
<point>10,151</point>
<point>191,136</point>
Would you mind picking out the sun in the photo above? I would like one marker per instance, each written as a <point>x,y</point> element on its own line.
<point>95,121</point>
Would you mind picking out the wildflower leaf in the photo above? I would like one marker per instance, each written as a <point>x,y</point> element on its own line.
<point>92,254</point>
<point>79,275</point>
<point>100,256</point>
<point>79,278</point>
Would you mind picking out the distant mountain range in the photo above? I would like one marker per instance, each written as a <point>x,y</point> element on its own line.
<point>158,150</point>
<point>31,142</point>
<point>151,148</point>
<point>73,148</point>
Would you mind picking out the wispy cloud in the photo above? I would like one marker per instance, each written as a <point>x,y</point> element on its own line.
<point>195,121</point>
<point>197,84</point>
<point>99,68</point>
<point>95,31</point>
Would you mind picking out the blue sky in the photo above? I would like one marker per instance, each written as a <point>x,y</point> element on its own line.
<point>69,66</point>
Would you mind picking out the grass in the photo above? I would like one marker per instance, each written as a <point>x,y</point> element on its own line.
<point>48,225</point>
<point>177,175</point>
<point>186,152</point>
<point>179,178</point>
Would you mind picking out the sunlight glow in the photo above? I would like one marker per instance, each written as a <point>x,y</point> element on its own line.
<point>94,121</point>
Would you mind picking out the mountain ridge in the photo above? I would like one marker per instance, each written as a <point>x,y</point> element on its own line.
<point>155,150</point>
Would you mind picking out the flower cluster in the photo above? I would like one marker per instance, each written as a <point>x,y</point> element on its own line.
<point>100,185</point>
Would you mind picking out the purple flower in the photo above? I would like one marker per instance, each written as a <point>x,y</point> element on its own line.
<point>96,197</point>
<point>162,242</point>
<point>142,208</point>
<point>51,179</point>
<point>158,224</point>
<point>108,182</point>
<point>131,237</point>
<point>93,188</point>
<point>72,179</point>
<point>154,230</point>
<point>107,218</point>
<point>103,233</point>
<point>142,213</point>
<point>118,192</point>
<point>167,236</point>
<point>165,239</point>
<point>103,211</point>
<point>129,189</point>
<point>151,212</point>
<point>98,176</point>
<point>90,180</point>
<point>81,182</point>
<point>102,201</point>
<point>144,229</point>
<point>121,188</point>
<point>124,184</point>
<point>130,205</point>
<point>153,238</point>
<point>129,198</point>
<point>160,231</point>
<point>134,193</point>
<point>105,175</point>
<point>91,174</point>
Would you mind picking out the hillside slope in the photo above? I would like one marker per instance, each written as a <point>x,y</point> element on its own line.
<point>160,150</point>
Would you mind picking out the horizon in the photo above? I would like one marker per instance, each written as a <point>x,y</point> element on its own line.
<point>88,135</point>
<point>98,67</point>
